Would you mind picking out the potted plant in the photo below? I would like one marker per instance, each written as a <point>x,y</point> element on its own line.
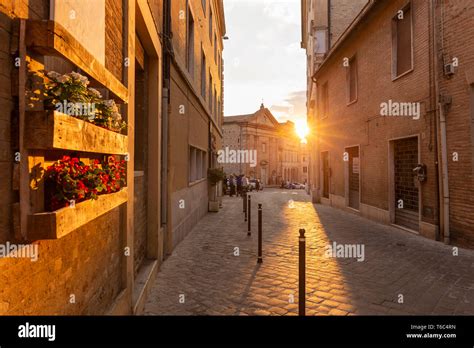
<point>215,176</point>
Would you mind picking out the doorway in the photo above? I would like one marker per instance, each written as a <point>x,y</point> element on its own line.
<point>325,172</point>
<point>141,158</point>
<point>353,175</point>
<point>405,185</point>
<point>263,175</point>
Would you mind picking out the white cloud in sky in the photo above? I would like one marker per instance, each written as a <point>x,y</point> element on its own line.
<point>263,58</point>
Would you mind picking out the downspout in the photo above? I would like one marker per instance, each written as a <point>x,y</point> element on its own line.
<point>165,112</point>
<point>442,149</point>
<point>329,24</point>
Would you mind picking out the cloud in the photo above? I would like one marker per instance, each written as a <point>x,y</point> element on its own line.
<point>263,58</point>
<point>293,107</point>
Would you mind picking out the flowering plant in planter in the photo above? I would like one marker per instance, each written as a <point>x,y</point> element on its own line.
<point>215,175</point>
<point>70,94</point>
<point>70,180</point>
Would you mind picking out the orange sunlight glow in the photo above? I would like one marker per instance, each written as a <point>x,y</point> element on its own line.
<point>302,129</point>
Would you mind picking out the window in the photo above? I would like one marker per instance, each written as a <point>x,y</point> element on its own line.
<point>264,147</point>
<point>215,49</point>
<point>324,101</point>
<point>216,117</point>
<point>197,164</point>
<point>305,170</point>
<point>219,110</point>
<point>190,44</point>
<point>351,78</point>
<point>402,45</point>
<point>203,74</point>
<point>210,25</point>
<point>210,92</point>
<point>221,62</point>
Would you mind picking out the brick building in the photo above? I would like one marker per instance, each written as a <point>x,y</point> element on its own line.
<point>280,155</point>
<point>322,24</point>
<point>392,110</point>
<point>99,257</point>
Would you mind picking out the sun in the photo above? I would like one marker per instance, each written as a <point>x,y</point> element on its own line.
<point>301,129</point>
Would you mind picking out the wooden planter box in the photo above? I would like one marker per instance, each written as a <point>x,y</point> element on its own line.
<point>57,224</point>
<point>49,130</point>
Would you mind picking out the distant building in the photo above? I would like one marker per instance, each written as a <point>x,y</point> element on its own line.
<point>264,148</point>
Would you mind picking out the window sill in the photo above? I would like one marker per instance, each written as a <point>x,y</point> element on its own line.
<point>193,183</point>
<point>402,75</point>
<point>352,102</point>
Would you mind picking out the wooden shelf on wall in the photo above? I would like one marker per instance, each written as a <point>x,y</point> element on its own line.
<point>50,38</point>
<point>50,130</point>
<point>57,224</point>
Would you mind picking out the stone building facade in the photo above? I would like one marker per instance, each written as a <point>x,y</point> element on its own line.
<point>276,153</point>
<point>393,113</point>
<point>193,112</point>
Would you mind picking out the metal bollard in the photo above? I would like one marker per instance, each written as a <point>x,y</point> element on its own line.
<point>302,274</point>
<point>249,215</point>
<point>245,206</point>
<point>244,201</point>
<point>260,259</point>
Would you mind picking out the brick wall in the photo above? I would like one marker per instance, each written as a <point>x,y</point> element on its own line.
<point>114,57</point>
<point>87,262</point>
<point>342,12</point>
<point>458,31</point>
<point>6,107</point>
<point>361,123</point>
<point>140,221</point>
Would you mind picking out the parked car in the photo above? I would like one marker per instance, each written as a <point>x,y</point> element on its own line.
<point>253,184</point>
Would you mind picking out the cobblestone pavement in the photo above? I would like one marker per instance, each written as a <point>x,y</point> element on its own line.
<point>205,274</point>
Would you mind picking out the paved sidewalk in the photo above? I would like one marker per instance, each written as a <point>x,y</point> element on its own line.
<point>204,277</point>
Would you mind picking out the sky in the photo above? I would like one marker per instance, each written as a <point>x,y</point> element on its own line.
<point>263,58</point>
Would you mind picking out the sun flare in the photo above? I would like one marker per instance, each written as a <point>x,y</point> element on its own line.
<point>302,129</point>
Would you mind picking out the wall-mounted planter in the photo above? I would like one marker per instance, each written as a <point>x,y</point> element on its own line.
<point>49,130</point>
<point>50,38</point>
<point>57,224</point>
<point>214,206</point>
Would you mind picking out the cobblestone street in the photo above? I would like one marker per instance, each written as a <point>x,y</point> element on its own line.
<point>204,277</point>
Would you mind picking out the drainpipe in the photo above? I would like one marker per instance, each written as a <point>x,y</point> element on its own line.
<point>442,149</point>
<point>444,168</point>
<point>165,112</point>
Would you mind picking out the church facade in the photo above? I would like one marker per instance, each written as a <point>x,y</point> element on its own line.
<point>263,149</point>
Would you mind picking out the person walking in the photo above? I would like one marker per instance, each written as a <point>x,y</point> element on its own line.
<point>232,186</point>
<point>239,185</point>
<point>225,184</point>
<point>245,184</point>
